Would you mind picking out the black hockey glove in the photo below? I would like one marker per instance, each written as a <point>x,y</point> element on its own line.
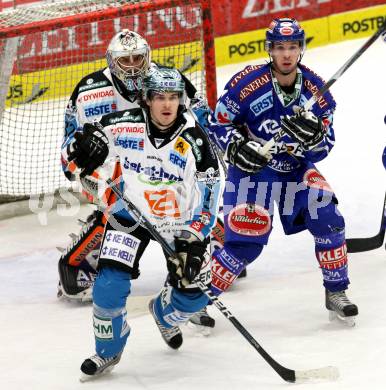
<point>246,155</point>
<point>304,127</point>
<point>191,255</point>
<point>89,150</point>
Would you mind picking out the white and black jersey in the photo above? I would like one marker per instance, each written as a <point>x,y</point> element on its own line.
<point>100,93</point>
<point>174,180</point>
<point>95,95</point>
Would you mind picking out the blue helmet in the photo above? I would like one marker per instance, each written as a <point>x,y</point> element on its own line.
<point>284,29</point>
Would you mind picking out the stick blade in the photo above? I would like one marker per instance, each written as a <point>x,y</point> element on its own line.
<point>329,373</point>
<point>355,245</point>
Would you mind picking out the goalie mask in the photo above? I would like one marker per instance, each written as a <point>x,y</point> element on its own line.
<point>128,57</point>
<point>285,30</point>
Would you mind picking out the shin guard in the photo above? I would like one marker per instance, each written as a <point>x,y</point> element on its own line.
<point>111,289</point>
<point>229,262</point>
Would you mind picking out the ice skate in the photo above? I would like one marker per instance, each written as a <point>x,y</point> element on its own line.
<point>172,336</point>
<point>95,366</point>
<point>340,307</point>
<point>202,322</point>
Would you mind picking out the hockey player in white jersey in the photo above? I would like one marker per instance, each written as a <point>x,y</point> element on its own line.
<point>116,87</point>
<point>170,172</point>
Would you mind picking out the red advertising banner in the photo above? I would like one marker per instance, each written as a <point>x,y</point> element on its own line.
<point>235,16</point>
<point>178,24</point>
<point>72,45</point>
<point>6,4</point>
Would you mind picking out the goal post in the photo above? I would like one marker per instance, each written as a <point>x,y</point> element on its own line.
<point>46,49</point>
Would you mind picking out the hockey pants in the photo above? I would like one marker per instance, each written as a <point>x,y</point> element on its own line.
<point>248,208</point>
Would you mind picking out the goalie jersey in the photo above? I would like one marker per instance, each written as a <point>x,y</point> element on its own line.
<point>173,180</point>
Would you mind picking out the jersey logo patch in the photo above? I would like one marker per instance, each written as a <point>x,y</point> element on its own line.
<point>332,259</point>
<point>312,178</point>
<point>130,143</point>
<point>163,203</point>
<point>249,220</point>
<point>181,146</point>
<point>103,328</point>
<point>263,103</point>
<point>177,159</point>
<point>120,246</point>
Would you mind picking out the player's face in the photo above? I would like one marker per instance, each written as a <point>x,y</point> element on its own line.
<point>163,108</point>
<point>285,56</point>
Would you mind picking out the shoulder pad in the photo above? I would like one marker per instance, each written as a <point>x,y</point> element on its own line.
<point>93,81</point>
<point>313,83</point>
<point>133,115</point>
<point>244,73</point>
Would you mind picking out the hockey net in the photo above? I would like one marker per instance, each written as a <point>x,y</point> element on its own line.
<point>44,52</point>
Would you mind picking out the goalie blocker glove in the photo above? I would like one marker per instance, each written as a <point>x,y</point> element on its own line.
<point>304,127</point>
<point>90,149</point>
<point>247,156</point>
<point>191,254</point>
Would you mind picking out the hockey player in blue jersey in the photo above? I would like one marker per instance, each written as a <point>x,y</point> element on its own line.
<point>170,172</point>
<point>255,103</point>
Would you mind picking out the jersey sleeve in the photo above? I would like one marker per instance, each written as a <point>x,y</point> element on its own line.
<point>206,183</point>
<point>324,148</point>
<point>324,109</point>
<point>92,98</point>
<point>72,124</point>
<point>227,120</point>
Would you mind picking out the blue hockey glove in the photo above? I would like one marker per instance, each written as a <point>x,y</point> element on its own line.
<point>191,255</point>
<point>304,127</point>
<point>89,150</point>
<point>247,156</point>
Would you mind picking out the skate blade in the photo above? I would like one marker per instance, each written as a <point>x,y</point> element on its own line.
<point>83,297</point>
<point>59,294</point>
<point>199,329</point>
<point>74,299</point>
<point>87,378</point>
<point>347,321</point>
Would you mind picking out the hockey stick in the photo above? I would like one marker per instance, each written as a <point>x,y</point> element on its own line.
<point>328,373</point>
<point>314,98</point>
<point>369,243</point>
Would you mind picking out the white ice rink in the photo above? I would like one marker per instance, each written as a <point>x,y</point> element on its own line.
<point>44,341</point>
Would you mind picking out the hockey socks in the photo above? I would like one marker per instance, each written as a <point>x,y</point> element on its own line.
<point>331,253</point>
<point>229,262</point>
<point>111,330</point>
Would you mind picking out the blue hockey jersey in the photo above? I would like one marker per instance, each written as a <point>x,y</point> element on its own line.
<point>250,106</point>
